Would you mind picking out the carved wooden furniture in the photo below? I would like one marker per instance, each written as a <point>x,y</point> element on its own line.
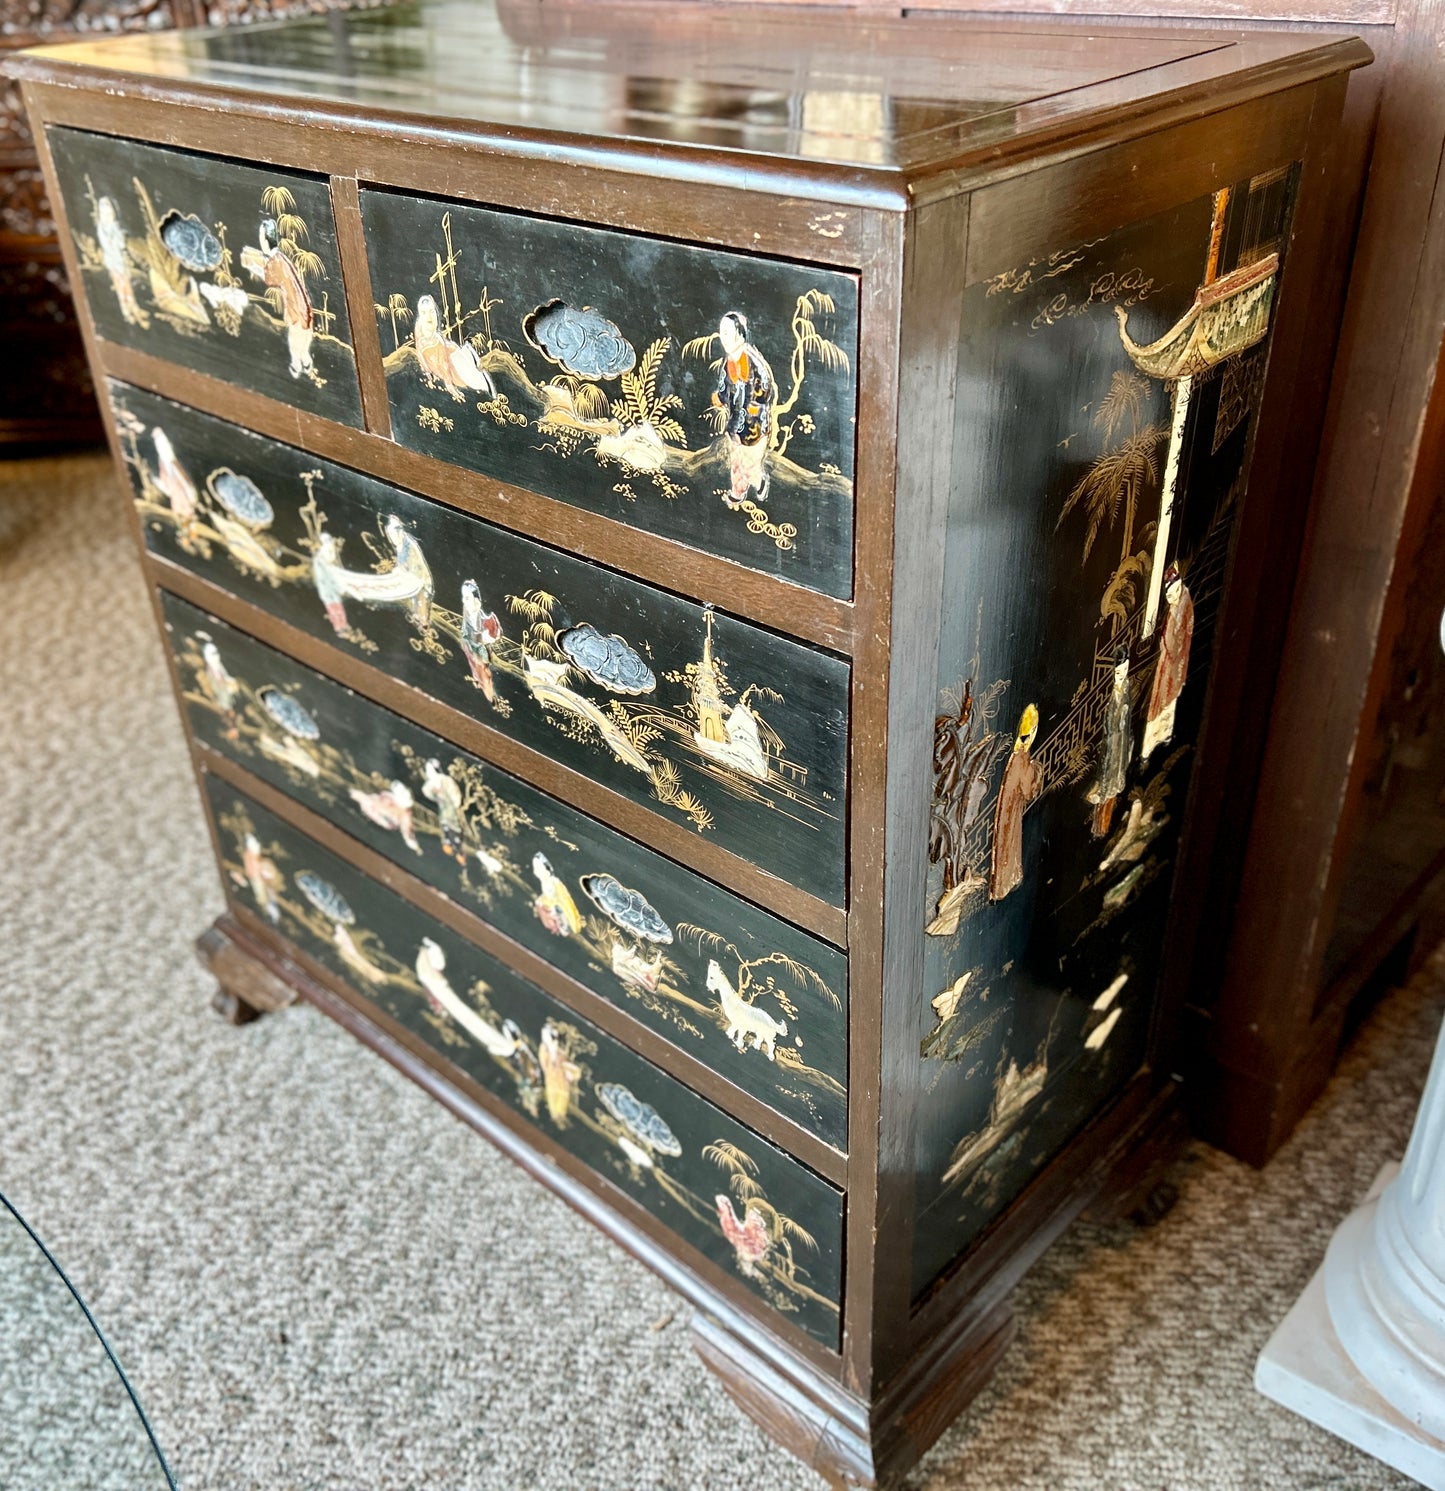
<point>691,564</point>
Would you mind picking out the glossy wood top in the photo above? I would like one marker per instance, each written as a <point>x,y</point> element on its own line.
<point>896,96</point>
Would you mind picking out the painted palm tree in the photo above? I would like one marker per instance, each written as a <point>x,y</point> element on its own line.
<point>1118,480</point>
<point>397,311</point>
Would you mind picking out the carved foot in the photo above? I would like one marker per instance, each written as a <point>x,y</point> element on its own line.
<point>247,987</point>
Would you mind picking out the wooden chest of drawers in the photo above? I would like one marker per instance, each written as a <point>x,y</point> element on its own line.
<point>690,547</point>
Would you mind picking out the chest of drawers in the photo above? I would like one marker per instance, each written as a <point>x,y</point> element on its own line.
<point>690,545</point>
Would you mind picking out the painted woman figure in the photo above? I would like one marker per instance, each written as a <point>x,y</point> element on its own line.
<point>111,237</point>
<point>745,392</point>
<point>1171,672</point>
<point>1117,748</point>
<point>1022,783</point>
<point>326,577</point>
<point>280,274</point>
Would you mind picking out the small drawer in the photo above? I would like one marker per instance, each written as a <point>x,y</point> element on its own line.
<point>740,1201</point>
<point>709,721</point>
<point>757,1000</point>
<point>706,396</point>
<point>228,269</point>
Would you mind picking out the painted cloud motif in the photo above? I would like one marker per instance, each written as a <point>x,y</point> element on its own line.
<point>242,498</point>
<point>608,660</point>
<point>580,341</point>
<point>325,898</point>
<point>641,1119</point>
<point>191,241</point>
<point>628,908</point>
<point>292,717</point>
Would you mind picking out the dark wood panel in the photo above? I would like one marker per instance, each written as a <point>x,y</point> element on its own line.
<point>214,265</point>
<point>725,1190</point>
<point>757,1000</point>
<point>708,721</point>
<point>706,396</point>
<point>1107,392</point>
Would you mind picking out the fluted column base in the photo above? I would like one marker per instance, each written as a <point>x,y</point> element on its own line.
<point>1306,1368</point>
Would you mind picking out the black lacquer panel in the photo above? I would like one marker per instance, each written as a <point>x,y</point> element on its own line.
<point>761,1002</point>
<point>703,395</point>
<point>732,1195</point>
<point>229,269</point>
<point>1106,395</point>
<point>709,721</point>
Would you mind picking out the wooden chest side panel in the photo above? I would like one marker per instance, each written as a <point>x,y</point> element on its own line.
<point>591,366</point>
<point>761,1002</point>
<point>1106,394</point>
<point>741,1202</point>
<point>229,269</point>
<point>710,721</point>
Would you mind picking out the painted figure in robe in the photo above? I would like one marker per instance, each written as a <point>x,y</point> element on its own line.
<point>1023,781</point>
<point>1171,672</point>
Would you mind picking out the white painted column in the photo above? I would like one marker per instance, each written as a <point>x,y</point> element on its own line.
<point>1362,1353</point>
<point>1385,1274</point>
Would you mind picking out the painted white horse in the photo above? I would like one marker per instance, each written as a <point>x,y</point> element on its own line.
<point>744,1019</point>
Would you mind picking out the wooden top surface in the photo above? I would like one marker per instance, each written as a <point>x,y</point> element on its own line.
<point>878,97</point>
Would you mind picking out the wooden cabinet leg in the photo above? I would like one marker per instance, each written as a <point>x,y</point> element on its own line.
<point>246,987</point>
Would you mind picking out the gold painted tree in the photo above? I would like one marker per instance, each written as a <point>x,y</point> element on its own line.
<point>1116,483</point>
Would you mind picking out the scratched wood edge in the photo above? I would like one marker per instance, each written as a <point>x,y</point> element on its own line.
<point>930,316</point>
<point>1394,320</point>
<point>681,1266</point>
<point>630,818</point>
<point>360,304</point>
<point>879,332</point>
<point>744,1104</point>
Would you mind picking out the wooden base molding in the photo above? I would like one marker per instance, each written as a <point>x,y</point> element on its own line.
<point>849,1443</point>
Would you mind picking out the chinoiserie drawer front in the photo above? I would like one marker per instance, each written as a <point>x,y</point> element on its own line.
<point>706,720</point>
<point>703,395</point>
<point>229,269</point>
<point>756,999</point>
<point>730,1193</point>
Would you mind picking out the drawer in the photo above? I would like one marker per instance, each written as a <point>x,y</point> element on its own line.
<point>707,396</point>
<point>710,721</point>
<point>760,1002</point>
<point>739,1200</point>
<point>228,269</point>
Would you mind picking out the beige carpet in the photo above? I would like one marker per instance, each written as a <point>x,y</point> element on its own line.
<point>321,1282</point>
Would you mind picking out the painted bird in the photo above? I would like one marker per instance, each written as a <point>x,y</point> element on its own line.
<point>555,908</point>
<point>749,1236</point>
<point>479,630</point>
<point>391,809</point>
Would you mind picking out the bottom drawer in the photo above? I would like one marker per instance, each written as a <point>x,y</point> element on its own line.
<point>735,1197</point>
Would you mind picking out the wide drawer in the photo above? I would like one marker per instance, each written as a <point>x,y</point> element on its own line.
<point>735,1197</point>
<point>228,269</point>
<point>760,1002</point>
<point>707,720</point>
<point>707,396</point>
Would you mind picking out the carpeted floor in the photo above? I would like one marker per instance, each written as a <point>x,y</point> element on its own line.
<point>319,1281</point>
